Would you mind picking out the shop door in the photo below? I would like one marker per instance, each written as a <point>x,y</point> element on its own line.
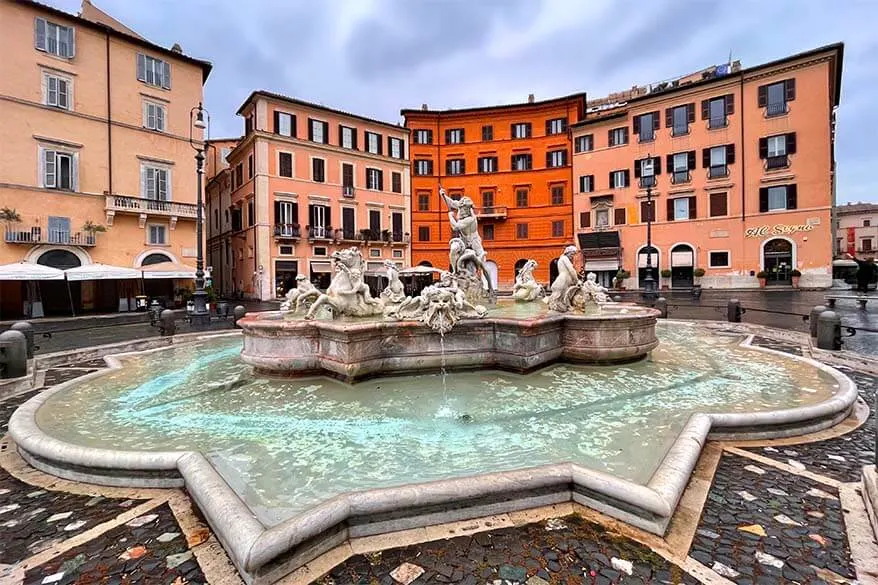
<point>682,267</point>
<point>777,257</point>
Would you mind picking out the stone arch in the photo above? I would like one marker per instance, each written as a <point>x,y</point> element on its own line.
<point>37,252</point>
<point>656,269</point>
<point>139,260</point>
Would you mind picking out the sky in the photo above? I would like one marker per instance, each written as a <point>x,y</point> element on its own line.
<point>374,57</point>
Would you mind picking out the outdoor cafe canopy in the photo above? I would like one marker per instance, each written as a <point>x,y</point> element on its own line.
<point>29,271</point>
<point>101,272</point>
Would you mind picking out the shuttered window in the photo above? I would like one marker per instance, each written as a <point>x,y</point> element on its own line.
<point>54,38</point>
<point>59,169</point>
<point>154,116</point>
<point>285,164</point>
<point>153,71</point>
<point>719,204</point>
<point>318,170</point>
<point>620,217</point>
<point>284,124</point>
<point>58,91</point>
<point>155,183</point>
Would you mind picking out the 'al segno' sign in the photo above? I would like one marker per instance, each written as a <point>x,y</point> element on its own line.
<point>777,230</point>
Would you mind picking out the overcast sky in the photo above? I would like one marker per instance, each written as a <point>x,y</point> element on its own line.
<point>374,57</point>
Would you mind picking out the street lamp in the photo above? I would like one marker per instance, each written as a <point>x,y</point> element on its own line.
<point>200,317</point>
<point>649,289</point>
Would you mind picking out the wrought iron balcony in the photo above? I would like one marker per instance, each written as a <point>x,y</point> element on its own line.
<point>718,171</point>
<point>492,212</point>
<point>138,205</point>
<point>23,234</point>
<point>680,130</point>
<point>287,230</point>
<point>717,123</point>
<point>319,232</point>
<point>776,109</point>
<point>777,162</point>
<point>647,181</point>
<point>678,177</point>
<point>348,191</point>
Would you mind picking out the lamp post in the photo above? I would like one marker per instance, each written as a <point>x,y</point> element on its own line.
<point>649,289</point>
<point>200,317</point>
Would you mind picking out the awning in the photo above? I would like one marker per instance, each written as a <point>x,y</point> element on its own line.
<point>321,267</point>
<point>29,271</point>
<point>844,262</point>
<point>101,272</point>
<point>682,259</point>
<point>601,265</point>
<point>641,260</point>
<point>168,270</point>
<point>420,270</point>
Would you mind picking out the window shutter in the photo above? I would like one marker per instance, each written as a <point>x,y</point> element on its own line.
<point>656,123</point>
<point>657,165</point>
<point>669,161</point>
<point>792,196</point>
<point>310,129</point>
<point>527,130</point>
<point>448,167</point>
<point>311,214</point>
<point>638,166</point>
<point>390,145</point>
<point>71,42</point>
<point>610,138</point>
<point>619,216</point>
<point>293,127</point>
<point>610,181</point>
<point>166,76</point>
<point>141,67</point>
<point>789,87</point>
<point>730,154</point>
<point>669,117</point>
<point>160,117</point>
<point>763,199</point>
<point>627,175</point>
<point>791,143</point>
<point>670,210</point>
<point>276,122</point>
<point>585,219</point>
<point>277,212</point>
<point>143,182</point>
<point>705,158</point>
<point>448,137</point>
<point>40,33</point>
<point>690,160</point>
<point>582,184</point>
<point>762,96</point>
<point>49,169</point>
<point>636,125</point>
<point>429,137</point>
<point>625,135</point>
<point>730,104</point>
<point>690,108</point>
<point>705,109</point>
<point>548,127</point>
<point>402,149</point>
<point>693,209</point>
<point>380,145</point>
<point>763,148</point>
<point>381,180</point>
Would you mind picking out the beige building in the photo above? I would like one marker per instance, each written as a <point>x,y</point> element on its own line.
<point>856,229</point>
<point>97,165</point>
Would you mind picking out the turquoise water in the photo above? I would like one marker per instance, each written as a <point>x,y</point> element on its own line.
<point>285,445</point>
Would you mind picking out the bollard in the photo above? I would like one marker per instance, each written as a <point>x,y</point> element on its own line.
<point>734,311</point>
<point>812,319</point>
<point>661,304</point>
<point>617,299</point>
<point>829,331</point>
<point>240,311</point>
<point>28,331</point>
<point>222,309</point>
<point>13,354</point>
<point>169,322</point>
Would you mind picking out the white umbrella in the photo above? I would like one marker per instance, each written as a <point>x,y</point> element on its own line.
<point>29,271</point>
<point>101,272</point>
<point>419,270</point>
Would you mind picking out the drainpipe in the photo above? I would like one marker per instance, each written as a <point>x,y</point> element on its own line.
<point>439,170</point>
<point>743,154</point>
<point>109,121</point>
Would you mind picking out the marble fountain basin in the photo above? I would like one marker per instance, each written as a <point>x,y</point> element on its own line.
<point>286,469</point>
<point>517,337</point>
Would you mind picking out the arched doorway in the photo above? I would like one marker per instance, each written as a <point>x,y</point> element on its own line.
<point>492,273</point>
<point>682,266</point>
<point>155,258</point>
<point>641,265</point>
<point>60,259</point>
<point>160,289</point>
<point>553,270</point>
<point>778,261</point>
<point>519,264</point>
<point>425,263</point>
<point>60,295</point>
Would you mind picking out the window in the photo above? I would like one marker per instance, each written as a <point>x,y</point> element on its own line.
<point>347,137</point>
<point>619,179</point>
<point>396,226</point>
<point>522,162</point>
<point>397,254</point>
<point>776,150</point>
<point>488,231</point>
<point>59,170</point>
<point>423,137</point>
<point>373,142</point>
<point>718,259</point>
<point>251,212</point>
<point>284,124</point>
<point>55,39</point>
<point>248,124</point>
<point>239,174</point>
<point>718,159</point>
<point>521,130</point>
<point>347,178</point>
<point>454,136</point>
<point>488,164</point>
<point>423,167</point>
<point>777,198</point>
<point>521,231</point>
<point>774,97</point>
<point>375,221</point>
<point>680,208</point>
<point>57,91</point>
<point>319,218</point>
<point>645,126</point>
<point>487,133</point>
<point>424,233</point>
<point>866,245</point>
<point>285,164</point>
<point>286,213</point>
<point>375,179</point>
<point>617,136</point>
<point>719,204</point>
<point>867,223</point>
<point>601,218</point>
<point>586,183</point>
<point>558,195</point>
<point>225,151</point>
<point>487,199</point>
<point>396,182</point>
<point>319,250</point>
<point>620,217</point>
<point>679,165</point>
<point>318,170</point>
<point>158,235</point>
<point>250,167</point>
<point>154,116</point>
<point>678,119</point>
<point>556,158</point>
<point>584,219</point>
<point>155,183</point>
<point>558,228</point>
<point>584,143</point>
<point>423,202</point>
<point>285,250</point>
<point>716,110</point>
<point>455,166</point>
<point>646,169</point>
<point>396,148</point>
<point>153,71</point>
<point>647,211</point>
<point>556,126</point>
<point>318,131</point>
<point>521,197</point>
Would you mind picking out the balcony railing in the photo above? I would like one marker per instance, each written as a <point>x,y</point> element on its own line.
<point>776,109</point>
<point>286,230</point>
<point>777,162</point>
<point>716,123</point>
<point>717,171</point>
<point>647,182</point>
<point>678,177</point>
<point>348,191</point>
<point>494,211</point>
<point>22,234</point>
<point>319,232</point>
<point>680,130</point>
<point>126,204</point>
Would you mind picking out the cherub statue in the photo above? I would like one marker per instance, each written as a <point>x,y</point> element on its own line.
<point>526,287</point>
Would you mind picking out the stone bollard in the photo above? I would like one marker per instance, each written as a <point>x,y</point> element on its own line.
<point>13,354</point>
<point>28,331</point>
<point>168,322</point>
<point>735,311</point>
<point>812,319</point>
<point>240,311</point>
<point>829,331</point>
<point>661,304</point>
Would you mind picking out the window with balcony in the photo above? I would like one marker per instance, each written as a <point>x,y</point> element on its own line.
<point>488,164</point>
<point>57,91</point>
<point>521,231</point>
<point>556,158</point>
<point>286,219</point>
<point>284,124</point>
<point>348,223</point>
<point>679,165</point>
<point>54,38</point>
<point>396,148</point>
<point>375,179</point>
<point>719,204</point>
<point>285,164</point>
<point>488,231</point>
<point>347,137</point>
<point>424,233</point>
<point>619,179</point>
<point>319,218</point>
<point>716,111</point>
<point>153,71</point>
<point>487,132</point>
<point>557,195</point>
<point>423,167</point>
<point>775,150</point>
<point>678,119</point>
<point>556,126</point>
<point>645,126</point>
<point>617,136</point>
<point>423,137</point>
<point>646,170</point>
<point>155,182</point>
<point>318,170</point>
<point>775,97</point>
<point>718,259</point>
<point>777,198</point>
<point>318,131</point>
<point>586,183</point>
<point>455,166</point>
<point>717,160</point>
<point>454,136</point>
<point>158,235</point>
<point>396,182</point>
<point>423,202</point>
<point>583,143</point>
<point>373,143</point>
<point>521,130</point>
<point>558,228</point>
<point>154,116</point>
<point>487,199</point>
<point>521,197</point>
<point>522,162</point>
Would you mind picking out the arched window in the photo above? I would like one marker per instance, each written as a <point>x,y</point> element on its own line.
<point>519,265</point>
<point>60,259</point>
<point>425,263</point>
<point>155,258</point>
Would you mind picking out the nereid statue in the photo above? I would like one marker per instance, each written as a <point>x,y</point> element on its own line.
<point>303,293</point>
<point>394,292</point>
<point>570,291</point>
<point>526,287</point>
<point>348,294</point>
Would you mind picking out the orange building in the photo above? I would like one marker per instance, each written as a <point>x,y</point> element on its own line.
<point>306,180</point>
<point>96,165</point>
<point>741,168</point>
<point>514,162</point>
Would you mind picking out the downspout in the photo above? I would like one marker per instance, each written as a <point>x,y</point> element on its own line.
<point>439,171</point>
<point>109,121</point>
<point>743,156</point>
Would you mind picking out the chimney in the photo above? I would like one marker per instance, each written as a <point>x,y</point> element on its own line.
<point>424,107</point>
<point>177,48</point>
<point>530,98</point>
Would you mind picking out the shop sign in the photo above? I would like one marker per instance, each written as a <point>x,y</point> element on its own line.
<point>777,230</point>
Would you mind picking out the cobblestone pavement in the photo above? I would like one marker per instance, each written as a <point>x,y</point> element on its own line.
<point>570,551</point>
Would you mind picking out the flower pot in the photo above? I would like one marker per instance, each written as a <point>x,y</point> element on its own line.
<point>761,283</point>
<point>796,281</point>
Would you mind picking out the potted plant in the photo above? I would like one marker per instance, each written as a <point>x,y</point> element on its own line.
<point>762,275</point>
<point>91,228</point>
<point>696,285</point>
<point>795,275</point>
<point>620,278</point>
<point>666,275</point>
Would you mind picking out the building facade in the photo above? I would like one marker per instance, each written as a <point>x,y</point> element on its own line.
<point>856,231</point>
<point>217,202</point>
<point>306,180</point>
<point>97,165</point>
<point>514,163</point>
<point>740,168</point>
